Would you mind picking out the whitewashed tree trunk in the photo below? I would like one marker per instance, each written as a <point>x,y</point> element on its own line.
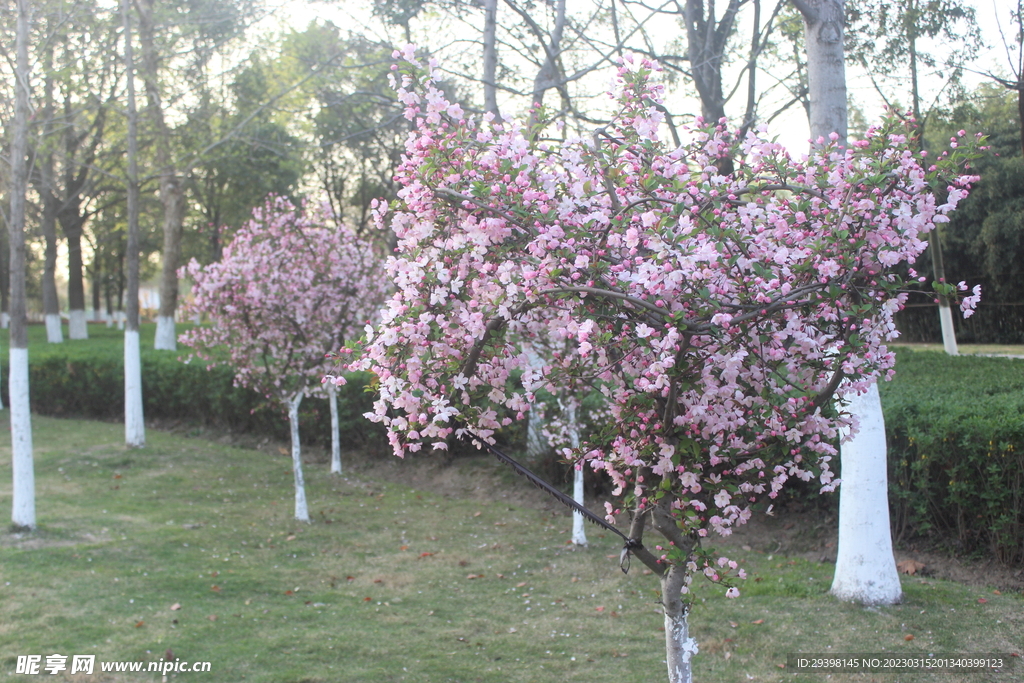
<point>23,512</point>
<point>78,327</point>
<point>301,509</point>
<point>571,408</point>
<point>679,646</point>
<point>536,444</point>
<point>332,397</point>
<point>134,424</point>
<point>165,337</point>
<point>865,566</point>
<point>23,508</point>
<point>948,332</point>
<point>5,320</point>
<point>120,319</point>
<point>54,333</point>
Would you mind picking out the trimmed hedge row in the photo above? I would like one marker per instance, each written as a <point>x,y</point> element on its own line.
<point>87,380</point>
<point>955,427</point>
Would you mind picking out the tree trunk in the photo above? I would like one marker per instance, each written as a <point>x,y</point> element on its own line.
<point>72,223</point>
<point>48,224</point>
<point>826,70</point>
<point>865,567</point>
<point>134,424</point>
<point>865,454</point>
<point>490,75</point>
<point>172,192</point>
<point>23,512</point>
<point>301,509</point>
<point>679,646</point>
<point>705,49</point>
<point>945,313</point>
<point>5,280</point>
<point>97,294</point>
<point>570,406</point>
<point>48,220</point>
<point>332,395</point>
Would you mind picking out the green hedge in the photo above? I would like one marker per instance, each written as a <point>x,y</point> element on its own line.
<point>955,427</point>
<point>86,379</point>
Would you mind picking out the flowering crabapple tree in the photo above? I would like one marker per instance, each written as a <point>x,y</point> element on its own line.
<point>291,288</point>
<point>722,317</point>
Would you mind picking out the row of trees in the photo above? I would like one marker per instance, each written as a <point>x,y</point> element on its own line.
<point>222,125</point>
<point>700,290</point>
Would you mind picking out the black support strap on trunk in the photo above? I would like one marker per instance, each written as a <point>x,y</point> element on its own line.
<point>630,543</point>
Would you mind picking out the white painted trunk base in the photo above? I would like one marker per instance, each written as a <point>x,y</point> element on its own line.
<point>948,333</point>
<point>5,320</point>
<point>134,425</point>
<point>108,317</point>
<point>679,648</point>
<point>536,444</point>
<point>301,509</point>
<point>23,509</point>
<point>571,408</point>
<point>865,566</point>
<point>78,327</point>
<point>120,319</point>
<point>332,396</point>
<point>165,337</point>
<point>54,333</point>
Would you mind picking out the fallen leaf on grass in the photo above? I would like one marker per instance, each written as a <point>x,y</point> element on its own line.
<point>404,547</point>
<point>283,451</point>
<point>599,609</point>
<point>758,621</point>
<point>367,599</point>
<point>212,617</point>
<point>290,538</point>
<point>982,600</point>
<point>477,514</point>
<point>139,624</point>
<point>520,584</point>
<point>909,566</point>
<point>215,588</point>
<point>289,592</point>
<point>908,637</point>
<point>426,555</point>
<point>733,624</point>
<point>214,574</point>
<point>475,576</point>
<point>175,607</point>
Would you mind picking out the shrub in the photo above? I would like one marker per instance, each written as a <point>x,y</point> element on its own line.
<point>955,427</point>
<point>88,381</point>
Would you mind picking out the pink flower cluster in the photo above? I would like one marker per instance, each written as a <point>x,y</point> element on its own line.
<point>718,314</point>
<point>292,287</point>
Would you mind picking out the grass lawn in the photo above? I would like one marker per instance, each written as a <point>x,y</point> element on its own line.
<point>392,583</point>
